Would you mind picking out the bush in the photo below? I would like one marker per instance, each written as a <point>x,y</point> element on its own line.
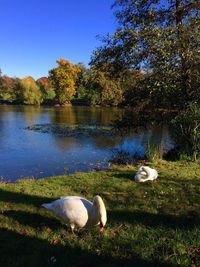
<point>154,152</point>
<point>186,131</point>
<point>30,92</point>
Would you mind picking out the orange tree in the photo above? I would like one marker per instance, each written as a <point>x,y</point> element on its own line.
<point>63,79</point>
<point>46,89</point>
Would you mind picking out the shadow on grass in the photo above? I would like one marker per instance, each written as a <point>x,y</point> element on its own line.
<point>15,197</point>
<point>20,250</point>
<point>188,221</point>
<point>129,175</point>
<point>33,219</point>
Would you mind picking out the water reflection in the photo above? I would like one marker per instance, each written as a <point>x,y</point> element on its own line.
<point>106,142</point>
<point>81,115</point>
<point>65,144</point>
<point>25,153</point>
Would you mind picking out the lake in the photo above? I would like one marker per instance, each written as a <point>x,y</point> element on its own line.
<point>45,141</point>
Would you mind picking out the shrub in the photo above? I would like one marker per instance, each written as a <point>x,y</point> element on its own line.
<point>154,152</point>
<point>186,131</point>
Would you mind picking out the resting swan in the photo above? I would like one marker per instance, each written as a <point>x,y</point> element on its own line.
<point>145,173</point>
<point>78,212</point>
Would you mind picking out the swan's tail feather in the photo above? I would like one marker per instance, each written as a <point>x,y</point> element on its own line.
<point>142,180</point>
<point>47,206</point>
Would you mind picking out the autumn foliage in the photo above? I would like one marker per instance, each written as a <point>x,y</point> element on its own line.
<point>30,92</point>
<point>44,84</point>
<point>63,79</point>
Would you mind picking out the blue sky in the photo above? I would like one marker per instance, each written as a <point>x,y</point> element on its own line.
<point>34,33</point>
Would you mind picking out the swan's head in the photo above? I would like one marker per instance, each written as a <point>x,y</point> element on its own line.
<point>99,204</point>
<point>143,173</point>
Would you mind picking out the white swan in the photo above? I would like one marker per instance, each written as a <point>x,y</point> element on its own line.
<point>145,173</point>
<point>78,212</point>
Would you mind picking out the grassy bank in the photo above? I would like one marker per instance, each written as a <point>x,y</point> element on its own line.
<point>152,224</point>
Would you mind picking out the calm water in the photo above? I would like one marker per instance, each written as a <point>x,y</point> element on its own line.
<point>25,153</point>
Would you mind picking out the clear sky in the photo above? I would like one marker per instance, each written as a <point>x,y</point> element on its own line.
<point>34,33</point>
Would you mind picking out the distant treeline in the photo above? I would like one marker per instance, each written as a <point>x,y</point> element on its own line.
<point>77,84</point>
<point>152,61</point>
<point>74,83</point>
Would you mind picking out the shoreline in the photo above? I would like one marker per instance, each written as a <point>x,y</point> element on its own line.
<point>149,224</point>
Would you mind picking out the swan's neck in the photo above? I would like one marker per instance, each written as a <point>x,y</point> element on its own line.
<point>99,211</point>
<point>94,216</point>
<point>151,174</point>
<point>147,170</point>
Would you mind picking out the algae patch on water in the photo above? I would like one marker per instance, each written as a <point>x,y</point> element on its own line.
<point>76,130</point>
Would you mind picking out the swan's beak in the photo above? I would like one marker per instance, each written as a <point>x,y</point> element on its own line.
<point>101,228</point>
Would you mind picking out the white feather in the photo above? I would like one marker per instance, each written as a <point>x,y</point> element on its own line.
<point>78,212</point>
<point>145,173</point>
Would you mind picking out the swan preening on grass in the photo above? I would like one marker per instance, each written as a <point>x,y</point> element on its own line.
<point>78,212</point>
<point>145,173</point>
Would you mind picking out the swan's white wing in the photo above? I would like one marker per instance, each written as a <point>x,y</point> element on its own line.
<point>152,174</point>
<point>77,210</point>
<point>140,175</point>
<point>70,197</point>
<point>74,210</point>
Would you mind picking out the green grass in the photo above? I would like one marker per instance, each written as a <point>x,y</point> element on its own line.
<point>151,224</point>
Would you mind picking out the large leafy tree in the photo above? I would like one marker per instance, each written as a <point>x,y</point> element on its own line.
<point>95,86</point>
<point>30,92</point>
<point>134,92</point>
<point>63,79</point>
<point>82,88</point>
<point>47,91</point>
<point>7,93</point>
<point>163,39</point>
<point>8,89</point>
<point>44,84</point>
<point>103,89</point>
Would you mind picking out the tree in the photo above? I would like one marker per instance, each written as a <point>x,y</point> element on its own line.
<point>82,85</point>
<point>134,92</point>
<point>30,92</point>
<point>47,91</point>
<point>44,84</point>
<point>63,80</point>
<point>107,89</point>
<point>162,38</point>
<point>8,89</point>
